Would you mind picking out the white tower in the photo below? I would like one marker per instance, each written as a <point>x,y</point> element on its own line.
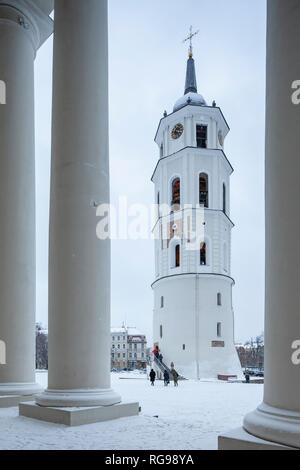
<point>193,315</point>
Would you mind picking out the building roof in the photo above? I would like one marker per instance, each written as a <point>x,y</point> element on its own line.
<point>121,330</point>
<point>134,332</point>
<point>130,331</point>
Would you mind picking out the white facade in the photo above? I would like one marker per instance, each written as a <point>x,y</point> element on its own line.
<point>193,314</point>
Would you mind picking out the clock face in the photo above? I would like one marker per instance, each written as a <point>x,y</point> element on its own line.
<point>221,138</point>
<point>177,131</point>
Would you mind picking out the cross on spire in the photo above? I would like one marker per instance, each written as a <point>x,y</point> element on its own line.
<point>190,38</point>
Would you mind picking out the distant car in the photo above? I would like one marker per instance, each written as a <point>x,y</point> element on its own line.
<point>113,369</point>
<point>260,373</point>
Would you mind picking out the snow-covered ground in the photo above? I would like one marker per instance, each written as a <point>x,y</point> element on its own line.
<point>184,418</point>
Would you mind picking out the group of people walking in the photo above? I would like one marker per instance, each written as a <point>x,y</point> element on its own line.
<point>175,376</point>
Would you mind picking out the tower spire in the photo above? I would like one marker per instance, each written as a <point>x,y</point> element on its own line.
<point>190,81</point>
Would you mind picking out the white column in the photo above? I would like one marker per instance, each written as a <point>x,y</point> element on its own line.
<point>79,264</point>
<point>278,418</point>
<point>20,37</point>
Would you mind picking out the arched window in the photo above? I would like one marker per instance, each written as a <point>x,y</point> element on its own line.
<point>203,190</point>
<point>203,254</point>
<point>176,192</point>
<point>177,256</point>
<point>224,198</point>
<point>219,330</point>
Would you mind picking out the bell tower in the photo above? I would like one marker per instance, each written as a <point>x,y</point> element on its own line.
<point>193,314</point>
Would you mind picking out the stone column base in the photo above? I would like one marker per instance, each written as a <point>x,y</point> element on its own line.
<point>78,416</point>
<point>274,424</point>
<point>9,401</point>
<point>239,439</point>
<point>24,389</point>
<point>78,398</point>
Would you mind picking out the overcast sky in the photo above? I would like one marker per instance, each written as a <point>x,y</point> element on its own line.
<point>147,74</point>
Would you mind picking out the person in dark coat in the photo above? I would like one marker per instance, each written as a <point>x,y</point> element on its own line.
<point>160,357</point>
<point>247,376</point>
<point>152,377</point>
<point>166,378</point>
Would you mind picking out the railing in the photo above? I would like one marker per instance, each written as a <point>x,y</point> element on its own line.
<point>162,367</point>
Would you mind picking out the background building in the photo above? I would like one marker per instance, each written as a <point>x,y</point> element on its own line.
<point>128,348</point>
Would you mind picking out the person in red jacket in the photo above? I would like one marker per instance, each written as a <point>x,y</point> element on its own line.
<point>156,352</point>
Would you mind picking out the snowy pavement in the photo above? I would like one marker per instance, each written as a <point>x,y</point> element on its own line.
<point>184,418</point>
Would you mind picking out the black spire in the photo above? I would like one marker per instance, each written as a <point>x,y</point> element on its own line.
<point>190,81</point>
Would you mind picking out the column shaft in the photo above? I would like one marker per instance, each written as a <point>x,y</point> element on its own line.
<point>278,418</point>
<point>17,207</point>
<point>79,263</point>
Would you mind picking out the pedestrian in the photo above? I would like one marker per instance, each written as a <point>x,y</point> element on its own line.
<point>156,352</point>
<point>166,378</point>
<point>175,377</point>
<point>152,377</point>
<point>160,357</point>
<point>247,376</point>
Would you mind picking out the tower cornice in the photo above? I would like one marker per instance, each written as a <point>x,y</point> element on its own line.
<point>172,276</point>
<point>201,152</point>
<point>206,210</point>
<point>191,107</point>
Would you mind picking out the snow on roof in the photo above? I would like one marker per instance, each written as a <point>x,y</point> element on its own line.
<point>130,331</point>
<point>134,332</point>
<point>43,330</point>
<point>189,98</point>
<point>121,330</point>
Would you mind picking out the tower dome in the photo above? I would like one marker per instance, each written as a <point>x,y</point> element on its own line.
<point>189,98</point>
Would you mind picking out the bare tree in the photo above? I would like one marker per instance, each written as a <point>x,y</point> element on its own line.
<point>41,341</point>
<point>251,354</point>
